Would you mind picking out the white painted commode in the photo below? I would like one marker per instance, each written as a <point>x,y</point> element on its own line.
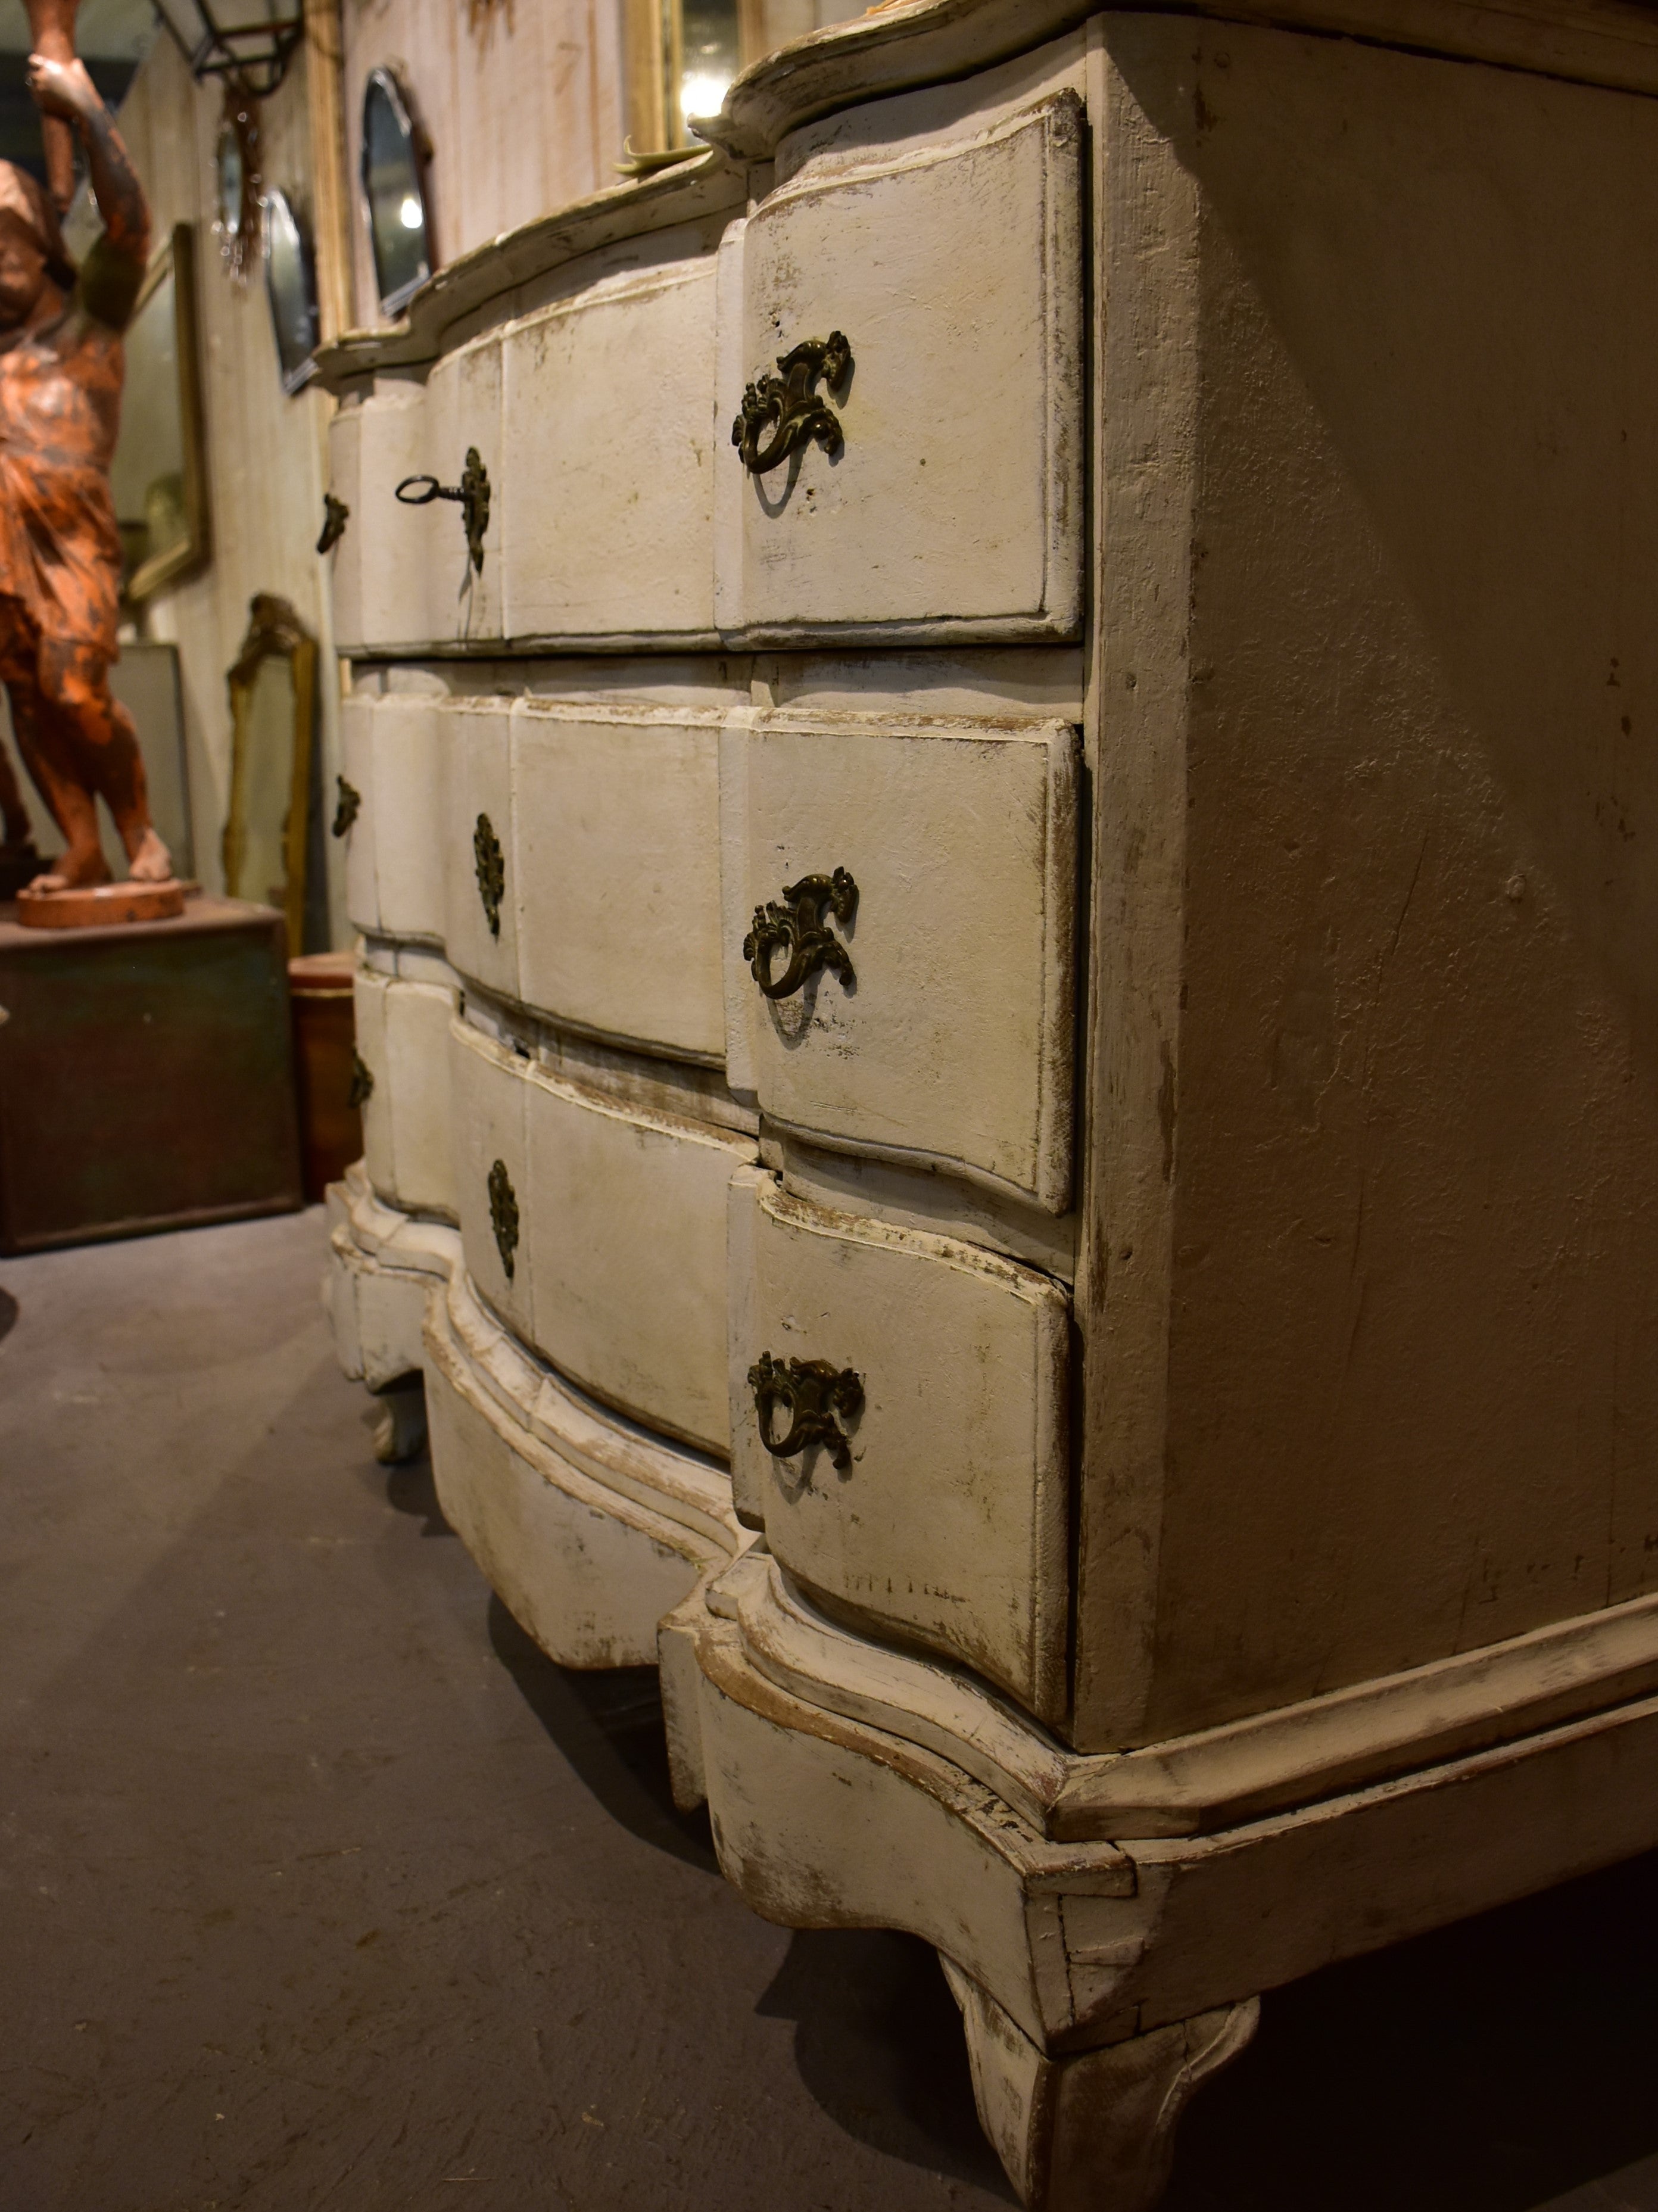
<point>1008,981</point>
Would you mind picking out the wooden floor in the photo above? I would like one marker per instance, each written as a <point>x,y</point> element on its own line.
<point>321,1891</point>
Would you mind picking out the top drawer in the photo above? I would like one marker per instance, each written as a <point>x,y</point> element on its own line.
<point>608,462</point>
<point>380,563</point>
<point>945,500</point>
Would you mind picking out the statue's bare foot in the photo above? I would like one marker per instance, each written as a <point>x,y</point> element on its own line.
<point>152,863</point>
<point>76,870</point>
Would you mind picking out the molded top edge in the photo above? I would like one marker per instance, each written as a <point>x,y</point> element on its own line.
<point>909,43</point>
<point>702,184</point>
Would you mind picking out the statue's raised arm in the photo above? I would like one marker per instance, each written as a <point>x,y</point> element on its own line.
<point>114,268</point>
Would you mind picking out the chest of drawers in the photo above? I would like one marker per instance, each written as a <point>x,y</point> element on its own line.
<point>1004,991</point>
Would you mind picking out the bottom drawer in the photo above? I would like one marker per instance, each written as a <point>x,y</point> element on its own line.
<point>922,1384</point>
<point>402,1041</point>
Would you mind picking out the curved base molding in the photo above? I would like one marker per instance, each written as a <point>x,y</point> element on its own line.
<point>1152,1945</point>
<point>589,1528</point>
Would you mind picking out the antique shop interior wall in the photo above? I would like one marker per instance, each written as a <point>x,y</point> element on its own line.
<point>521,100</point>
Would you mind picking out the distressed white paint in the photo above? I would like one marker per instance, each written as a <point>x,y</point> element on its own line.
<point>362,905</point>
<point>617,871</point>
<point>624,1227</point>
<point>402,1027</point>
<point>608,461</point>
<point>950,1521</point>
<point>409,816</point>
<point>475,739</point>
<point>954,505</point>
<point>463,413</point>
<point>488,1095</point>
<point>953,1041</point>
<point>381,563</point>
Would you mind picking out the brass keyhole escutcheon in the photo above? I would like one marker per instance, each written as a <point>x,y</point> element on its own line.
<point>335,516</point>
<point>348,808</point>
<point>472,493</point>
<point>503,1215</point>
<point>362,1081</point>
<point>787,406</point>
<point>813,1392</point>
<point>794,925</point>
<point>491,870</point>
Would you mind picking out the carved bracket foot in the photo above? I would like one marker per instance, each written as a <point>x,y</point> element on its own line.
<point>1093,2131</point>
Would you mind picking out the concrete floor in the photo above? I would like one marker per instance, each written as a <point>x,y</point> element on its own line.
<point>322,1891</point>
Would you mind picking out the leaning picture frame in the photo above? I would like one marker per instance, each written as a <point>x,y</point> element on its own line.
<point>158,474</point>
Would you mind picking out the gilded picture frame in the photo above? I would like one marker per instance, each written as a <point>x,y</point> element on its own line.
<point>158,472</point>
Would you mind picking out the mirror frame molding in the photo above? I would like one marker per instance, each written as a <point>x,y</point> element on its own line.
<point>274,630</point>
<point>178,257</point>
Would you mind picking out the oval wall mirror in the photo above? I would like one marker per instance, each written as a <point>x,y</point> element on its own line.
<point>290,283</point>
<point>394,191</point>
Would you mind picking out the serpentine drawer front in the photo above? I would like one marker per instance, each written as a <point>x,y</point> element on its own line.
<point>480,884</point>
<point>931,1376</point>
<point>599,1231</point>
<point>486,1089</point>
<point>899,926</point>
<point>625,1228</point>
<point>615,867</point>
<point>380,560</point>
<point>462,417</point>
<point>355,812</point>
<point>900,370</point>
<point>388,809</point>
<point>402,1088</point>
<point>608,462</point>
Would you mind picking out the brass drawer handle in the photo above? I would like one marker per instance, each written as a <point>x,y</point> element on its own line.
<point>789,407</point>
<point>814,1393</point>
<point>491,870</point>
<point>362,1081</point>
<point>795,926</point>
<point>349,806</point>
<point>503,1215</point>
<point>335,516</point>
<point>473,494</point>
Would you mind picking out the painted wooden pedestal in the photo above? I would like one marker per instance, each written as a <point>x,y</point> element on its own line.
<point>146,1076</point>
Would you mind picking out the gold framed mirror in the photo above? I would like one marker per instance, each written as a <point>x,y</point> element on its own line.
<point>682,54</point>
<point>158,475</point>
<point>273,723</point>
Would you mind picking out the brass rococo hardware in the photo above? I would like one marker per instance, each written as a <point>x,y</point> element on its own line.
<point>473,494</point>
<point>335,516</point>
<point>491,869</point>
<point>796,926</point>
<point>362,1081</point>
<point>814,1392</point>
<point>789,408</point>
<point>503,1215</point>
<point>349,806</point>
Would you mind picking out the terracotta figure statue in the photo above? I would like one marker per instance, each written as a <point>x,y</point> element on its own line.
<point>60,368</point>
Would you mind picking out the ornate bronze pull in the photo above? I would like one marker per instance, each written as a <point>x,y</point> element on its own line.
<point>473,494</point>
<point>491,870</point>
<point>789,405</point>
<point>796,926</point>
<point>349,806</point>
<point>335,516</point>
<point>814,1393</point>
<point>362,1081</point>
<point>503,1215</point>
